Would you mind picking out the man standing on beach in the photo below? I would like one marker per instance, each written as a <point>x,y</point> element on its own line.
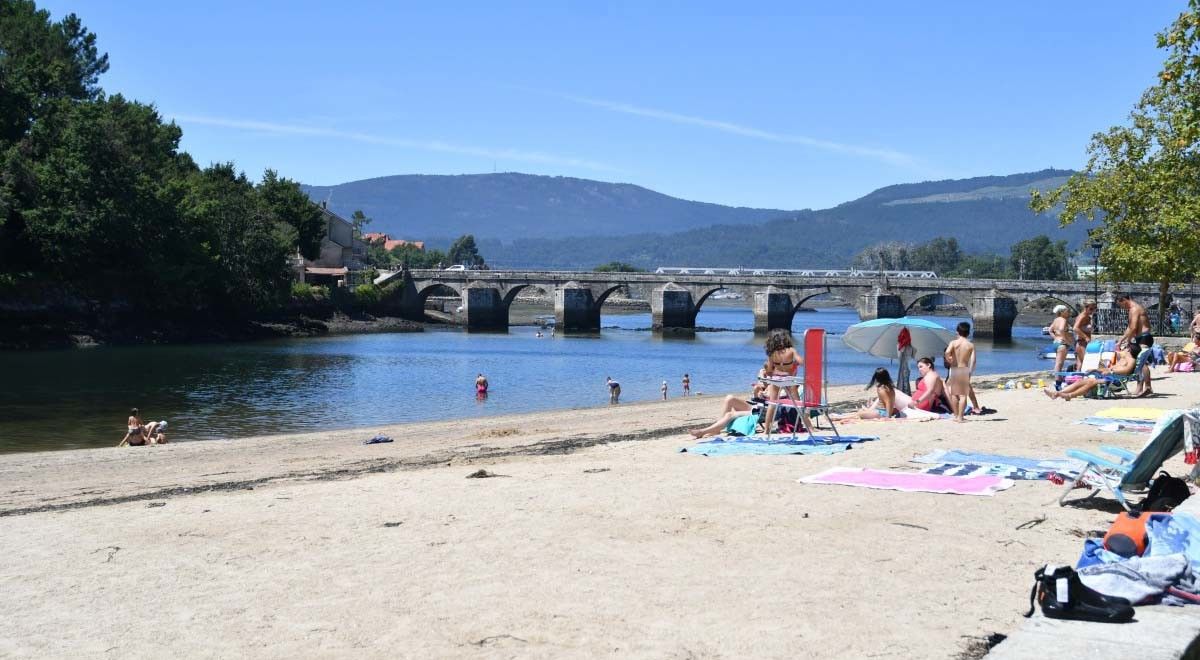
<point>614,390</point>
<point>664,390</point>
<point>1083,330</point>
<point>687,385</point>
<point>960,357</point>
<point>1139,323</point>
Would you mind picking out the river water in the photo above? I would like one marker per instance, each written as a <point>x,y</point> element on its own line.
<point>68,399</point>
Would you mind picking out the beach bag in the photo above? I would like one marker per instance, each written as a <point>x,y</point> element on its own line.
<point>1062,595</point>
<point>1166,493</point>
<point>1127,535</point>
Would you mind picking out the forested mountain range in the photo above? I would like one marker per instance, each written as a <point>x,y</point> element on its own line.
<point>510,205</point>
<point>534,221</point>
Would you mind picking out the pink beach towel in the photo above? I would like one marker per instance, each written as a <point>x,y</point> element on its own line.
<point>912,482</point>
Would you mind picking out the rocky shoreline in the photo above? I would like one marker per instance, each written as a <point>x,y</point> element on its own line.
<point>56,333</point>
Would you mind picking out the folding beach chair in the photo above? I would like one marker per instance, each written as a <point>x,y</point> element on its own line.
<point>1126,470</point>
<point>1094,358</point>
<point>814,393</point>
<point>816,376</point>
<point>1113,384</point>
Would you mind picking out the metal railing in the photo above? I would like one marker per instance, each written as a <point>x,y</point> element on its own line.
<point>807,272</point>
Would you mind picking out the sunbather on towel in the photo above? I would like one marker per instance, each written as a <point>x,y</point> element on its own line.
<point>1123,366</point>
<point>888,403</point>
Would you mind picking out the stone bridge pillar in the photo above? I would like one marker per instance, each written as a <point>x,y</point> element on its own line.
<point>484,308</point>
<point>575,309</point>
<point>993,316</point>
<point>878,304</point>
<point>400,297</point>
<point>773,309</point>
<point>672,308</point>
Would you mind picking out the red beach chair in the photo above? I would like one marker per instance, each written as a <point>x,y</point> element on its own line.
<point>816,376</point>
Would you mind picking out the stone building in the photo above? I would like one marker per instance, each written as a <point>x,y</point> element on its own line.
<point>342,258</point>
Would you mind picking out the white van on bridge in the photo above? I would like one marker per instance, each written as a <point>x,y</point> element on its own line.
<point>806,272</point>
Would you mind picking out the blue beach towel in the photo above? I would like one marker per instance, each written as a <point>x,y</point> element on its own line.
<point>978,469</point>
<point>753,446</point>
<point>969,457</point>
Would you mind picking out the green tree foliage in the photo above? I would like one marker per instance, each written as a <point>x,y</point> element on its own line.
<point>463,251</point>
<point>41,64</point>
<point>1142,180</point>
<point>1039,258</point>
<point>359,220</point>
<point>941,255</point>
<point>618,267</point>
<point>288,204</point>
<point>889,255</point>
<point>98,205</point>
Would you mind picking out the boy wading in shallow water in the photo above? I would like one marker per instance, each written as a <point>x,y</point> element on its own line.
<point>960,357</point>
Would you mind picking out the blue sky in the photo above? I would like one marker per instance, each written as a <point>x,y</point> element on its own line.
<point>780,105</point>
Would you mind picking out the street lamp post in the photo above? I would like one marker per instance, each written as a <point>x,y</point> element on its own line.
<point>1096,247</point>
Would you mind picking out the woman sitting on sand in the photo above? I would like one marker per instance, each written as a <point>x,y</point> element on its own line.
<point>930,394</point>
<point>888,403</point>
<point>135,435</point>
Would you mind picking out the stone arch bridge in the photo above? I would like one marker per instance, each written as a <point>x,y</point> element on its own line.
<point>675,299</point>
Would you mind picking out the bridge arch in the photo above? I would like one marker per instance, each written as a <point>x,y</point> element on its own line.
<point>511,294</point>
<point>912,302</point>
<point>603,295</point>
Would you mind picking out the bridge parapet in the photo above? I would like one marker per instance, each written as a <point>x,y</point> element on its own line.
<point>675,298</point>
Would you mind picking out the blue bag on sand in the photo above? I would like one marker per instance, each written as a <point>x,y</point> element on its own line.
<point>377,439</point>
<point>744,425</point>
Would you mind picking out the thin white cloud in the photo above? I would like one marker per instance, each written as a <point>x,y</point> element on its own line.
<point>885,155</point>
<point>403,143</point>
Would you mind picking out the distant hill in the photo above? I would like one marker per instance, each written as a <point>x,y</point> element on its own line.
<point>985,214</point>
<point>511,205</point>
<point>522,220</point>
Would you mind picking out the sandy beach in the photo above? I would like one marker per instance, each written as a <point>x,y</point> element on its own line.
<point>597,538</point>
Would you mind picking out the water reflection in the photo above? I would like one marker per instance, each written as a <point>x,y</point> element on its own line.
<point>66,399</point>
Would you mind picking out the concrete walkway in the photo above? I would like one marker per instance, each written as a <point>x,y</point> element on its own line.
<point>1157,631</point>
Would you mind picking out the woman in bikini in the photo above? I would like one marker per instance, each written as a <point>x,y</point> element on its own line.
<point>135,435</point>
<point>888,402</point>
<point>782,362</point>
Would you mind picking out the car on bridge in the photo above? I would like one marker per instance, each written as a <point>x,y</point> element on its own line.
<point>797,272</point>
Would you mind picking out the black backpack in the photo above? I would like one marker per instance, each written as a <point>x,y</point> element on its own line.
<point>1166,493</point>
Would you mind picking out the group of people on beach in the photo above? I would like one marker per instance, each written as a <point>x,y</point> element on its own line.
<point>140,434</point>
<point>1136,338</point>
<point>931,397</point>
<point>614,388</point>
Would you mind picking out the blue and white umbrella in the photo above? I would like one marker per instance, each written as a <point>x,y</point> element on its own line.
<point>878,337</point>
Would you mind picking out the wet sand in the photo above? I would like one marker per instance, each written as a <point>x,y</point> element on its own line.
<point>597,538</point>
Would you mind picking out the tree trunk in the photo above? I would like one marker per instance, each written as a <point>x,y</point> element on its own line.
<point>1163,286</point>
